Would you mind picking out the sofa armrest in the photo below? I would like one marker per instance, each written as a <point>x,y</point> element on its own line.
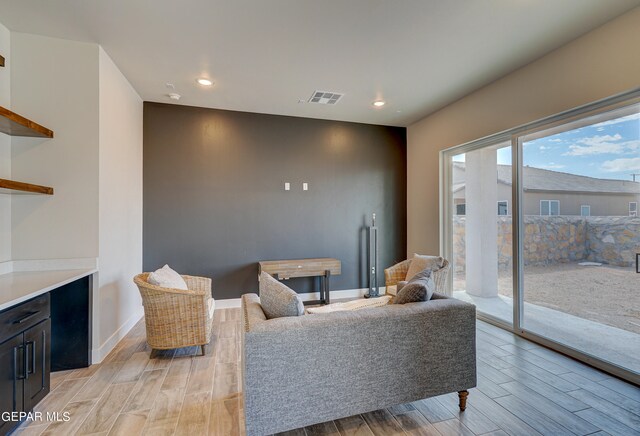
<point>252,312</point>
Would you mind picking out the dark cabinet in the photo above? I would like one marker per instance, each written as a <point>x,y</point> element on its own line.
<point>37,343</point>
<point>25,356</point>
<point>11,386</point>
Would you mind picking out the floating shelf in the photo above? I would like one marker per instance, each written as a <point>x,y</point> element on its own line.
<point>16,125</point>
<point>12,187</point>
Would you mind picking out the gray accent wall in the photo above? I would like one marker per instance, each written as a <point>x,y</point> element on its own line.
<point>215,203</point>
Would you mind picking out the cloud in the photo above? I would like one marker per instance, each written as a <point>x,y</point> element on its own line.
<point>632,145</point>
<point>543,148</point>
<point>618,120</point>
<point>597,144</point>
<point>555,140</point>
<point>600,139</point>
<point>620,165</point>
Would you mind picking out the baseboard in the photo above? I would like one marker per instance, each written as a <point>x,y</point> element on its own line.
<point>335,295</point>
<point>6,267</point>
<point>229,303</point>
<point>98,354</point>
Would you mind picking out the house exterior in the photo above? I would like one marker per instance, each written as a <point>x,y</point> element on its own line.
<point>548,192</point>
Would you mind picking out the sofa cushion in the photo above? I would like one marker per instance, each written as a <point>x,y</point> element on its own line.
<point>419,288</point>
<point>165,277</point>
<point>361,303</point>
<point>421,262</point>
<point>277,299</point>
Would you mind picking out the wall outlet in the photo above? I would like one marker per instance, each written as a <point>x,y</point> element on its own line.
<point>287,186</point>
<point>305,186</point>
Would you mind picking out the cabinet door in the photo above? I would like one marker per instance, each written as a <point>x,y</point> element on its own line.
<point>37,345</point>
<point>11,374</point>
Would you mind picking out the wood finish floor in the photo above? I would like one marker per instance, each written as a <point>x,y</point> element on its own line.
<point>523,389</point>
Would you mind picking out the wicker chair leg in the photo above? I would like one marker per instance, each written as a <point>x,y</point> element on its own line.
<point>202,348</point>
<point>151,355</point>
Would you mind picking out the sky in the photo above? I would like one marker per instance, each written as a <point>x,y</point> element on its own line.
<point>609,150</point>
<point>606,150</point>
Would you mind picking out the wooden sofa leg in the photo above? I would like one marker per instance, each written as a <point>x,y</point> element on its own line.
<point>202,348</point>
<point>462,395</point>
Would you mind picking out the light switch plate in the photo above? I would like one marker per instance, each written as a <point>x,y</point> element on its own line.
<point>287,186</point>
<point>305,186</point>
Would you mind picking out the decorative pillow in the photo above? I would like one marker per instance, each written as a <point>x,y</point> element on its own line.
<point>419,288</point>
<point>421,262</point>
<point>277,299</point>
<point>400,285</point>
<point>361,303</point>
<point>165,277</point>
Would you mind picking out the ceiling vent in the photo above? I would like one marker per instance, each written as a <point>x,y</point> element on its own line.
<point>324,97</point>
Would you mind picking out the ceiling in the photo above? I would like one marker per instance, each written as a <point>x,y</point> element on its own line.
<point>266,55</point>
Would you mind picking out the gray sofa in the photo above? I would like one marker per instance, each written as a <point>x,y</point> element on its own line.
<point>298,371</point>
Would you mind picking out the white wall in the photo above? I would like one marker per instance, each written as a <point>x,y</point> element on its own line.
<point>54,82</point>
<point>599,64</point>
<point>118,305</point>
<point>94,164</point>
<point>5,146</point>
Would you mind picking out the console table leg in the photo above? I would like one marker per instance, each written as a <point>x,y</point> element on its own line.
<point>327,287</point>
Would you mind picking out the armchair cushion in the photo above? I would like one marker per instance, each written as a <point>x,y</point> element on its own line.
<point>421,262</point>
<point>165,277</point>
<point>211,307</point>
<point>277,299</point>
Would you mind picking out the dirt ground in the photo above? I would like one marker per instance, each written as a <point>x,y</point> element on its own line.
<point>605,294</point>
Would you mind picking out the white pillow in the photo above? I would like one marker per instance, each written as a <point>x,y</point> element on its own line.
<point>165,277</point>
<point>421,262</point>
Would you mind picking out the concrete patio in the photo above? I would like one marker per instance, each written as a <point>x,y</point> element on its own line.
<point>602,341</point>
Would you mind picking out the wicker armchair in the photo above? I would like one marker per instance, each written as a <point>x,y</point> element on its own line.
<point>398,272</point>
<point>176,318</point>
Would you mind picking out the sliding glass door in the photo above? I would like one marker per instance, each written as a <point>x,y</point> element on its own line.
<point>580,286</point>
<point>541,226</point>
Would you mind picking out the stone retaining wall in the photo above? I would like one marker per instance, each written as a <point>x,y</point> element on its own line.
<point>557,239</point>
<point>613,240</point>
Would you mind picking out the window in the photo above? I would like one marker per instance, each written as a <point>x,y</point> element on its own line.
<point>633,208</point>
<point>549,207</point>
<point>585,210</point>
<point>503,207</point>
<point>461,209</point>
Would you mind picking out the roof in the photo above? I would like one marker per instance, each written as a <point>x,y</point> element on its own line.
<point>538,179</point>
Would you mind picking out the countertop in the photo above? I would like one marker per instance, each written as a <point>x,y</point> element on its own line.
<point>17,287</point>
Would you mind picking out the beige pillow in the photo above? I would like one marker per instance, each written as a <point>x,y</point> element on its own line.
<point>421,262</point>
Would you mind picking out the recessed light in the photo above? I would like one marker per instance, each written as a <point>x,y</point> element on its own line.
<point>379,103</point>
<point>205,82</point>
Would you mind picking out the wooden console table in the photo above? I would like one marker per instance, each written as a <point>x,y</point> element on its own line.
<point>321,267</point>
